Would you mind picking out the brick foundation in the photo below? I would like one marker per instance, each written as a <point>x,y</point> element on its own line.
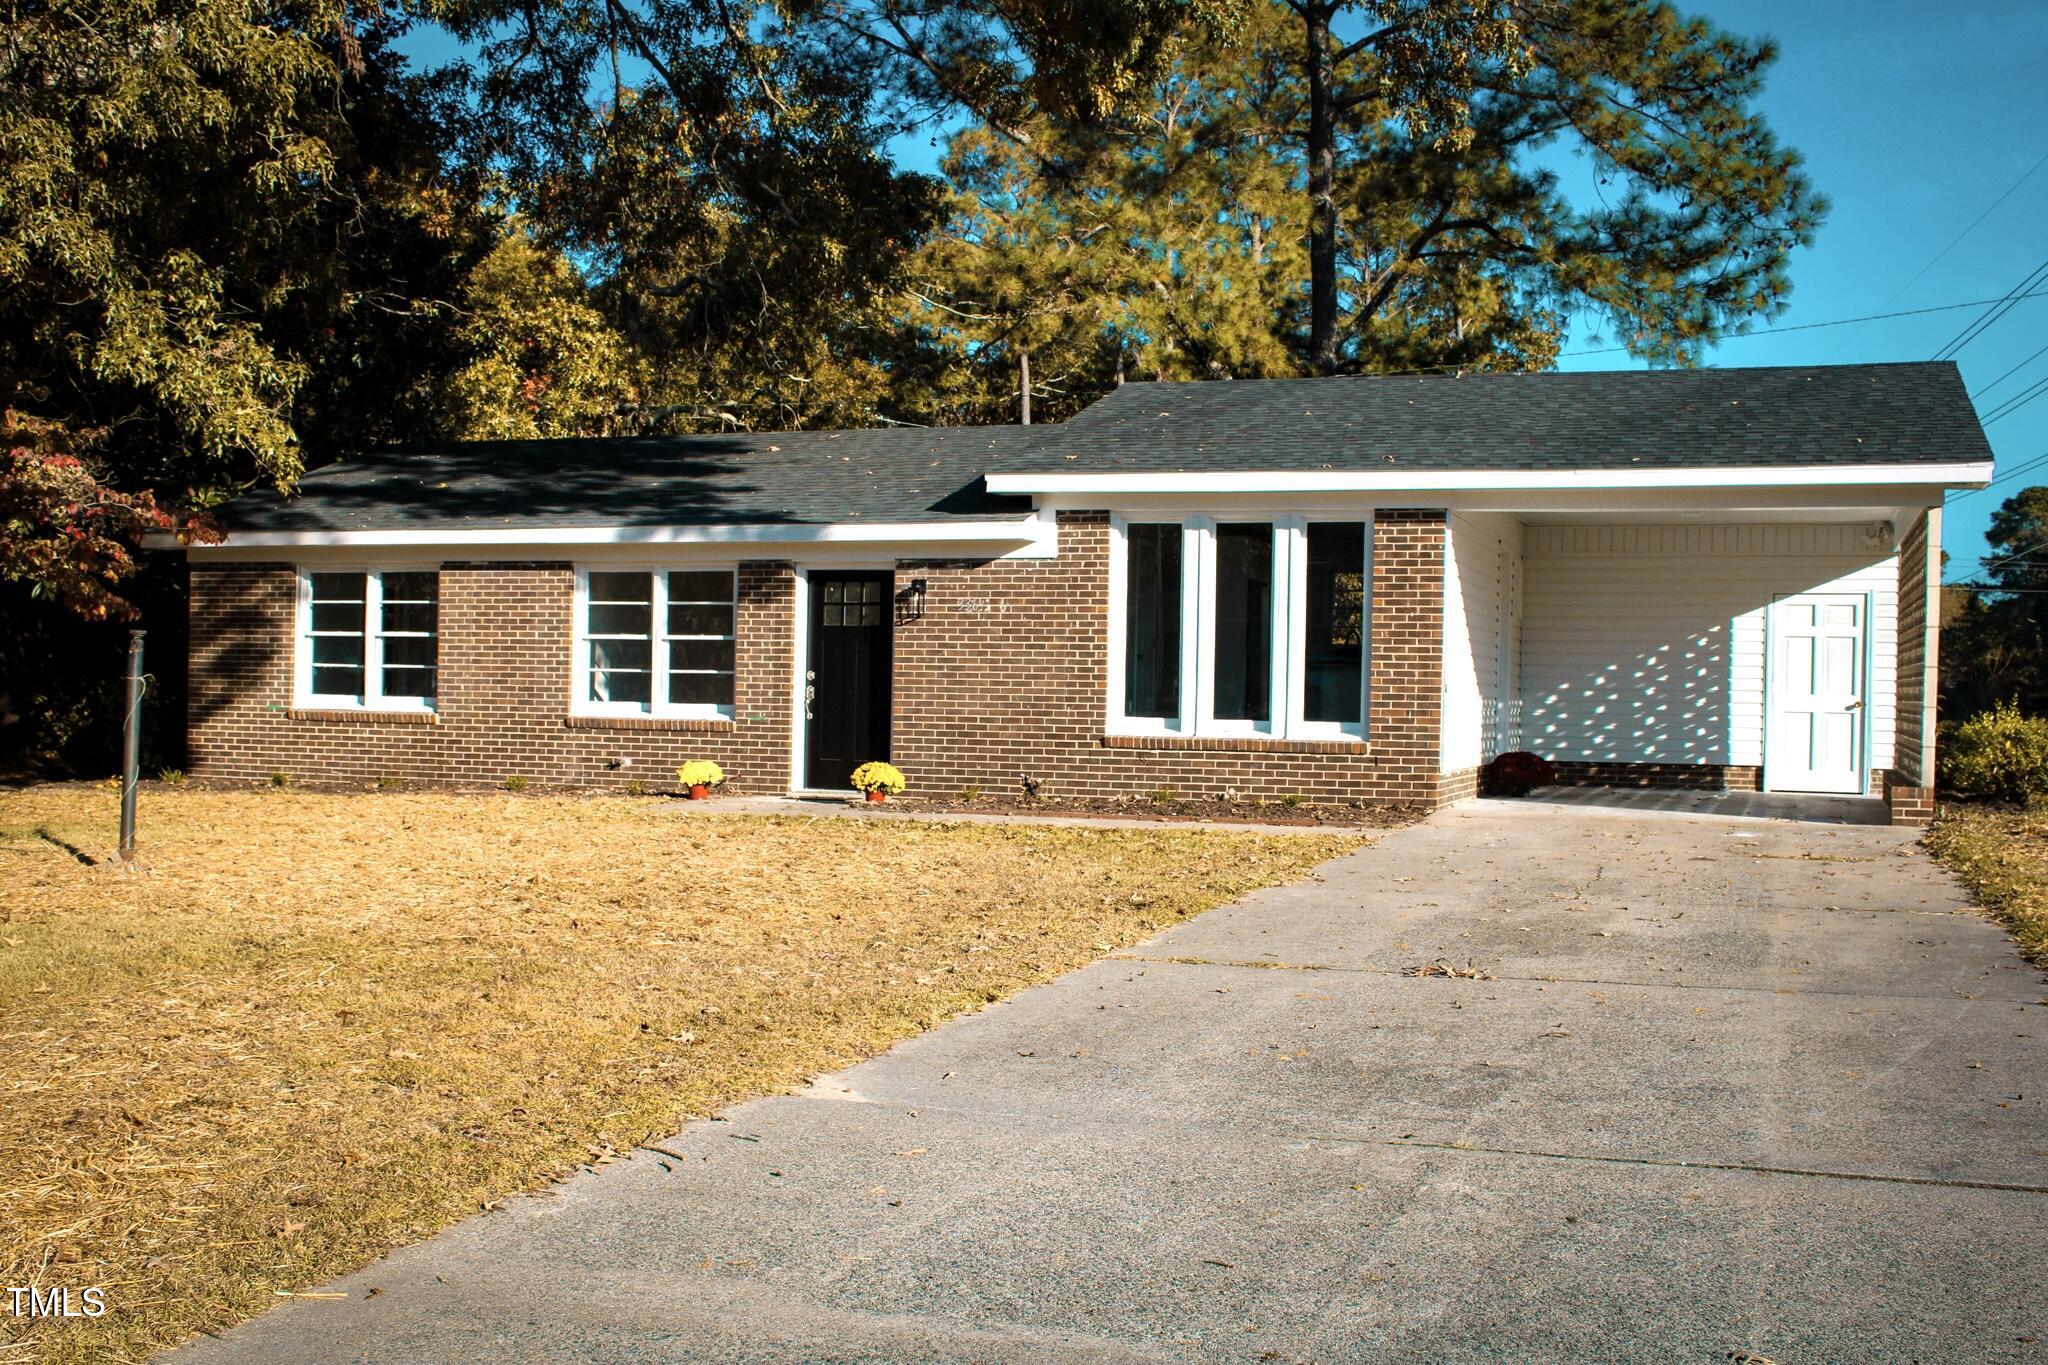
<point>1458,786</point>
<point>1001,676</point>
<point>1910,804</point>
<point>1681,776</point>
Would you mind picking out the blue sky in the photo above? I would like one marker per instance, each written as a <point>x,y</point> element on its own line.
<point>1914,118</point>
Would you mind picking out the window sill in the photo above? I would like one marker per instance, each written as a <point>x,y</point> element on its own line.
<point>1255,744</point>
<point>340,715</point>
<point>677,724</point>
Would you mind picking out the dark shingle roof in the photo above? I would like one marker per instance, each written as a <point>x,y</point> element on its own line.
<point>1815,415</point>
<point>782,478</point>
<point>1806,415</point>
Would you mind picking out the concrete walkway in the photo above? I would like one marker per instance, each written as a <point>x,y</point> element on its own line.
<point>1725,1089</point>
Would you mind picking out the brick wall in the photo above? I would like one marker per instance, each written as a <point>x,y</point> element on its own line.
<point>1919,628</point>
<point>1909,786</point>
<point>1001,676</point>
<point>504,690</point>
<point>1734,777</point>
<point>1004,676</point>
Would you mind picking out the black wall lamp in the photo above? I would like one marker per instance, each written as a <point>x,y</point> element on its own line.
<point>910,601</point>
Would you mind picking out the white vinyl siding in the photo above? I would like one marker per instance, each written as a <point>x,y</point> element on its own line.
<point>1646,643</point>
<point>1482,639</point>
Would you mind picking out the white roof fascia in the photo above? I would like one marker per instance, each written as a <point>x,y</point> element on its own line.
<point>1958,475</point>
<point>1035,533</point>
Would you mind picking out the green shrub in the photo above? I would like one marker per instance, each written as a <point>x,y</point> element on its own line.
<point>636,788</point>
<point>971,792</point>
<point>388,784</point>
<point>280,779</point>
<point>1163,794</point>
<point>515,783</point>
<point>1294,799</point>
<point>1997,755</point>
<point>171,775</point>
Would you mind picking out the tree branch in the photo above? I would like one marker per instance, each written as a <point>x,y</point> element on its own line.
<point>1350,50</point>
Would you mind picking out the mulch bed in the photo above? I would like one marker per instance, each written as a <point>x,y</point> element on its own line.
<point>1354,815</point>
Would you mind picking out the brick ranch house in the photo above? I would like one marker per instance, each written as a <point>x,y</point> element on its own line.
<point>1344,588</point>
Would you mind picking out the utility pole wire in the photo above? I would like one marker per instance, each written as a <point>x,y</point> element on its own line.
<point>1993,314</point>
<point>2009,374</point>
<point>2006,477</point>
<point>1810,326</point>
<point>1957,241</point>
<point>2016,402</point>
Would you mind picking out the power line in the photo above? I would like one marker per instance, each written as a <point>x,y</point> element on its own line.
<point>1975,223</point>
<point>2006,477</point>
<point>1842,322</point>
<point>1993,314</point>
<point>2009,374</point>
<point>2014,557</point>
<point>2015,403</point>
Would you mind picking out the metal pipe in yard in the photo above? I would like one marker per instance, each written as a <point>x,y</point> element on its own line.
<point>131,746</point>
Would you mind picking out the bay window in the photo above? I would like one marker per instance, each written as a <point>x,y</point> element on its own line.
<point>1240,628</point>
<point>655,642</point>
<point>368,639</point>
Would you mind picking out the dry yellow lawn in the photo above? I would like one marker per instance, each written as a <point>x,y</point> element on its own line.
<point>319,1026</point>
<point>2003,854</point>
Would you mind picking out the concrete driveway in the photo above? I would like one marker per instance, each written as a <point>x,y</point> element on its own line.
<point>1731,1088</point>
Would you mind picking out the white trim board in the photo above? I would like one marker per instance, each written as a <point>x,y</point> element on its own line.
<point>1033,537</point>
<point>1956,475</point>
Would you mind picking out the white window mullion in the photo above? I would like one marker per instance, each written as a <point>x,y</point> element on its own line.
<point>579,683</point>
<point>657,653</point>
<point>373,638</point>
<point>302,680</point>
<point>1198,625</point>
<point>1290,624</point>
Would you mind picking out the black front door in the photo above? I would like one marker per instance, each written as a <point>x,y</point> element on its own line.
<point>847,697</point>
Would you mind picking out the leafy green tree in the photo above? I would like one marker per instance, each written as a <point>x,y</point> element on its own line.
<point>543,362</point>
<point>227,247</point>
<point>194,241</point>
<point>721,181</point>
<point>1295,202</point>
<point>1995,643</point>
<point>1017,291</point>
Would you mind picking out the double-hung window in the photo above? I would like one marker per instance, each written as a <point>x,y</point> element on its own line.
<point>1240,628</point>
<point>654,642</point>
<point>369,639</point>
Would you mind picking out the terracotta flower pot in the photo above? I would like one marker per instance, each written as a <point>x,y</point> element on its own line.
<point>877,795</point>
<point>699,791</point>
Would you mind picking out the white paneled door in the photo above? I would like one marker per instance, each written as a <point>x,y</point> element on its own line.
<point>1819,693</point>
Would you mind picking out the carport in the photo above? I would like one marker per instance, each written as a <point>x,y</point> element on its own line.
<point>1763,647</point>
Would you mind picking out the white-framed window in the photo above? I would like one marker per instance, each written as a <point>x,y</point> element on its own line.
<point>1240,627</point>
<point>368,638</point>
<point>654,642</point>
